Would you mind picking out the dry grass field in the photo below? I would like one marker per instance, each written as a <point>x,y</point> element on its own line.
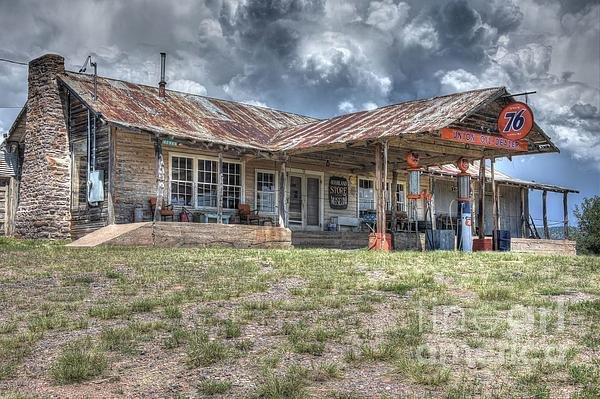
<point>185,323</point>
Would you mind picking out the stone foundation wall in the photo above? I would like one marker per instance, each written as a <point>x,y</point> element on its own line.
<point>197,235</point>
<point>548,247</point>
<point>44,194</point>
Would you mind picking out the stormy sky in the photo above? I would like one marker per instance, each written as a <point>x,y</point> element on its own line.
<point>325,57</point>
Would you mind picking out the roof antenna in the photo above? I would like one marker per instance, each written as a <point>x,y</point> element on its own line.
<point>94,65</point>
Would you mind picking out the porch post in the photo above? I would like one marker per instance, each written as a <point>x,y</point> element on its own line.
<point>481,205</point>
<point>160,178</point>
<point>545,213</point>
<point>393,200</point>
<point>494,203</point>
<point>380,191</point>
<point>282,200</point>
<point>220,189</point>
<point>565,216</point>
<point>523,220</point>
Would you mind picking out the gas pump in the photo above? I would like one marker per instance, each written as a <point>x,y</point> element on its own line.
<point>464,231</point>
<point>414,190</point>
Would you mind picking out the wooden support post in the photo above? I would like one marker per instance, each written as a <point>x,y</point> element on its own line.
<point>545,213</point>
<point>499,222</point>
<point>394,201</point>
<point>565,216</point>
<point>522,228</point>
<point>282,200</point>
<point>494,208</point>
<point>220,189</point>
<point>481,204</point>
<point>379,209</point>
<point>111,175</point>
<point>160,178</point>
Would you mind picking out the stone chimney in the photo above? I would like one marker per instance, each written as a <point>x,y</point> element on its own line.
<point>44,192</point>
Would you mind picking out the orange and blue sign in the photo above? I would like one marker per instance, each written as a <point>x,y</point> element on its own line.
<point>483,140</point>
<point>515,121</point>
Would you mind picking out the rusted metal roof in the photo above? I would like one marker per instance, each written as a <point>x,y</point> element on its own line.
<point>394,120</point>
<point>451,170</point>
<point>204,119</point>
<point>181,115</point>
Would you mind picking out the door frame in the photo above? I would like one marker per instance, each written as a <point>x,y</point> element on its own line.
<point>303,174</point>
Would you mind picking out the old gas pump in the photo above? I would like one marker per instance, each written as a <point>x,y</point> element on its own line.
<point>414,190</point>
<point>464,230</point>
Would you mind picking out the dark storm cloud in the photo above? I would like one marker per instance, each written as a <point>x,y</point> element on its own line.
<point>322,57</point>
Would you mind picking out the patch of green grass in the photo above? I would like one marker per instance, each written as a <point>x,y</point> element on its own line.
<point>496,294</point>
<point>291,385</point>
<point>326,371</point>
<point>144,305</point>
<point>172,312</point>
<point>177,337</point>
<point>13,349</point>
<point>231,329</point>
<point>8,327</point>
<point>79,361</point>
<point>47,320</point>
<point>584,374</point>
<point>111,311</point>
<point>202,351</point>
<point>422,372</point>
<point>213,387</point>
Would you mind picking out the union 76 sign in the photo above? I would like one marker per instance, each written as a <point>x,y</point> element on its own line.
<point>515,121</point>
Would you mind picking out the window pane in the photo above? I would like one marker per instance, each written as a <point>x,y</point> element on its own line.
<point>265,191</point>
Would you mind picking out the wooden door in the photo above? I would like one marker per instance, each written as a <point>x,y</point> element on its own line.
<point>313,203</point>
<point>295,206</point>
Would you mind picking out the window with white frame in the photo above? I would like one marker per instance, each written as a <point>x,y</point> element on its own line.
<point>265,191</point>
<point>400,203</point>
<point>202,191</point>
<point>232,185</point>
<point>208,179</point>
<point>366,196</point>
<point>182,181</point>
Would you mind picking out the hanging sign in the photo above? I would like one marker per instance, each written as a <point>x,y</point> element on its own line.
<point>338,192</point>
<point>483,140</point>
<point>515,121</point>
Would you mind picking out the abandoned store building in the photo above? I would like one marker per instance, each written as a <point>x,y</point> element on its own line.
<point>88,152</point>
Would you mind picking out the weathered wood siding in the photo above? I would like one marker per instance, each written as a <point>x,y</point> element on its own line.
<point>86,218</point>
<point>3,203</point>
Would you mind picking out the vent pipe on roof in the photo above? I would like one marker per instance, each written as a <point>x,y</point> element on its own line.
<point>162,84</point>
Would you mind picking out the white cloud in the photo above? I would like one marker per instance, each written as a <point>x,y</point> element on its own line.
<point>346,107</point>
<point>386,15</point>
<point>187,86</point>
<point>420,34</point>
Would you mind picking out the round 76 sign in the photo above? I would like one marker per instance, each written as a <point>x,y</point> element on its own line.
<point>515,121</point>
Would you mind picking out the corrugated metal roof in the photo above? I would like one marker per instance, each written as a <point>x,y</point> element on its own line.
<point>452,170</point>
<point>182,115</point>
<point>394,120</point>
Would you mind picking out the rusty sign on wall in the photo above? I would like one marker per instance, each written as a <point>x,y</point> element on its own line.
<point>483,140</point>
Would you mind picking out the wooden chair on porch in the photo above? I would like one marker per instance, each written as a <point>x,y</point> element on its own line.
<point>166,211</point>
<point>247,215</point>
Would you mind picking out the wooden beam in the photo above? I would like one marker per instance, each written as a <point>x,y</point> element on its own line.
<point>545,214</point>
<point>282,211</point>
<point>111,175</point>
<point>522,228</point>
<point>160,178</point>
<point>494,208</point>
<point>481,205</point>
<point>379,189</point>
<point>565,216</point>
<point>393,200</point>
<point>220,189</point>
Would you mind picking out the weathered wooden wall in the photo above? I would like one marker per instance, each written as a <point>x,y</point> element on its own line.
<point>3,202</point>
<point>86,218</point>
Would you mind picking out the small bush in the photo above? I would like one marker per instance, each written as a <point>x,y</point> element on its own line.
<point>79,361</point>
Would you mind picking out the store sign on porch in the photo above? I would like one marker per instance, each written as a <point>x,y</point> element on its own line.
<point>515,121</point>
<point>338,192</point>
<point>483,140</point>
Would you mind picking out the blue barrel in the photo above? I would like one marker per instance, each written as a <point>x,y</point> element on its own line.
<point>502,240</point>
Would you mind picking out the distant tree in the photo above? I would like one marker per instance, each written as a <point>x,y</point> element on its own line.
<point>588,236</point>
